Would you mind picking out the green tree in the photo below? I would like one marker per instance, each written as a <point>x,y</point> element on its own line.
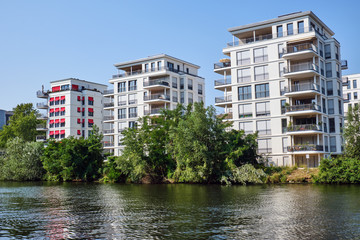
<point>352,133</point>
<point>21,161</point>
<point>22,124</point>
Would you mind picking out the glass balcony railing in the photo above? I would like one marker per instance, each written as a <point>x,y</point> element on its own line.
<point>303,107</point>
<point>301,67</point>
<point>302,87</point>
<point>161,81</point>
<point>221,82</point>
<point>222,65</point>
<point>305,147</point>
<point>157,97</point>
<point>300,48</point>
<point>138,72</point>
<point>304,127</point>
<point>223,99</point>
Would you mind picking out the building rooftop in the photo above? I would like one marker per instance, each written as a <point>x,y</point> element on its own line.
<point>247,27</point>
<point>76,79</point>
<point>158,56</point>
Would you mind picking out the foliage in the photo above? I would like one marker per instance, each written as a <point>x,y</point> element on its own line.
<point>341,169</point>
<point>246,174</point>
<point>352,133</point>
<point>74,159</point>
<point>22,124</point>
<point>110,172</point>
<point>21,161</point>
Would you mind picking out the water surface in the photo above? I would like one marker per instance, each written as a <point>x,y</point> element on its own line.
<point>117,211</point>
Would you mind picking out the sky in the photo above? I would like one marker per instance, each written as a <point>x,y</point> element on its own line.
<point>43,41</point>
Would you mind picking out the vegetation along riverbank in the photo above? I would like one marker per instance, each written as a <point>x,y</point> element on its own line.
<point>185,145</point>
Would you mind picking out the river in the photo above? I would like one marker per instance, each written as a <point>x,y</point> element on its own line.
<point>43,210</point>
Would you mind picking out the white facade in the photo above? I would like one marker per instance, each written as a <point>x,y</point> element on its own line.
<point>351,91</point>
<point>144,87</point>
<point>72,106</point>
<point>283,80</point>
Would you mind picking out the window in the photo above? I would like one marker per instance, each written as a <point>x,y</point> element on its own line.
<point>57,123</point>
<point>281,69</point>
<point>262,90</point>
<point>175,96</point>
<point>285,144</point>
<point>132,85</point>
<point>174,82</point>
<point>122,113</point>
<point>326,142</point>
<point>337,70</point>
<point>132,112</point>
<point>279,30</point>
<point>321,47</point>
<point>332,144</point>
<point>178,68</point>
<point>121,86</point>
<point>281,49</point>
<point>159,65</point>
<point>57,111</point>
<point>90,124</point>
<point>261,73</point>
<point>244,93</point>
<point>132,124</point>
<point>337,52</point>
<point>284,125</point>
<point>190,84</point>
<point>132,99</point>
<point>190,97</point>
<point>170,66</point>
<point>200,99</point>
<point>187,70</point>
<point>282,88</point>
<point>62,100</point>
<point>263,109</point>
<point>300,26</point>
<point>329,87</point>
<point>152,66</point>
<point>243,57</point>
<point>62,111</point>
<point>264,146</point>
<point>122,100</point>
<point>263,127</point>
<point>90,101</point>
<point>290,29</point>
<point>328,70</point>
<point>57,100</point>
<point>340,107</point>
<point>65,87</point>
<point>322,68</point>
<point>260,55</point>
<point>323,86</point>
<point>331,106</point>
<point>339,87</point>
<point>52,101</point>
<point>327,51</point>
<point>146,67</point>
<point>355,95</point>
<point>244,75</point>
<point>324,105</point>
<point>62,122</point>
<point>325,125</point>
<point>182,97</point>
<point>245,110</point>
<point>283,108</point>
<point>246,126</point>
<point>332,125</point>
<point>200,89</point>
<point>181,83</point>
<point>354,84</point>
<point>91,112</point>
<point>122,126</point>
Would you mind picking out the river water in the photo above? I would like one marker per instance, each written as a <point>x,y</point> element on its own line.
<point>117,211</point>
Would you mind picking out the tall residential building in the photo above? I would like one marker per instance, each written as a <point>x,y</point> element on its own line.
<point>71,108</point>
<point>144,87</point>
<point>5,117</point>
<point>351,91</point>
<point>283,80</point>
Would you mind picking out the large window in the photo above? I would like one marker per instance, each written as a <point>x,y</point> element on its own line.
<point>282,88</point>
<point>246,126</point>
<point>190,98</point>
<point>290,29</point>
<point>243,57</point>
<point>132,112</point>
<point>331,106</point>
<point>244,93</point>
<point>260,55</point>
<point>321,49</point>
<point>283,107</point>
<point>122,126</point>
<point>244,75</point>
<point>283,125</point>
<point>337,52</point>
<point>322,68</point>
<point>332,125</point>
<point>132,98</point>
<point>261,73</point>
<point>340,107</point>
<point>300,26</point>
<point>182,97</point>
<point>182,83</point>
<point>285,144</point>
<point>281,69</point>
<point>264,146</point>
<point>174,82</point>
<point>262,90</point>
<point>279,30</point>
<point>326,143</point>
<point>190,84</point>
<point>200,89</point>
<point>354,84</point>
<point>245,110</point>
<point>175,96</point>
<point>132,85</point>
<point>324,105</point>
<point>122,100</point>
<point>263,127</point>
<point>280,49</point>
<point>328,69</point>
<point>122,113</point>
<point>329,88</point>
<point>263,109</point>
<point>327,51</point>
<point>332,144</point>
<point>121,86</point>
<point>355,95</point>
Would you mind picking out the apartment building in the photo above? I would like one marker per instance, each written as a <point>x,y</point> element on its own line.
<point>71,108</point>
<point>145,86</point>
<point>282,78</point>
<point>351,91</point>
<point>5,117</point>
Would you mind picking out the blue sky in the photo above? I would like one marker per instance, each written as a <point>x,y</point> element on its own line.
<point>42,41</point>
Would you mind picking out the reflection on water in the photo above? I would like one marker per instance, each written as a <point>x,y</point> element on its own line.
<point>83,210</point>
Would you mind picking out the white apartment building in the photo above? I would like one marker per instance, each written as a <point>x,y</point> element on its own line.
<point>71,108</point>
<point>144,87</point>
<point>282,78</point>
<point>351,91</point>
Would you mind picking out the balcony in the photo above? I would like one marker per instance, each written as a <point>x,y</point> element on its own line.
<point>346,99</point>
<point>108,118</point>
<point>306,69</point>
<point>303,148</point>
<point>222,84</point>
<point>157,83</point>
<point>109,105</point>
<point>154,111</point>
<point>108,131</point>
<point>154,70</point>
<point>264,37</point>
<point>222,101</point>
<point>42,117</point>
<point>302,109</point>
<point>157,98</point>
<point>42,105</point>
<point>345,81</point>
<point>303,89</point>
<point>109,92</point>
<point>42,94</point>
<point>344,65</point>
<point>304,129</point>
<point>41,127</point>
<point>300,51</point>
<point>220,65</point>
<point>40,138</point>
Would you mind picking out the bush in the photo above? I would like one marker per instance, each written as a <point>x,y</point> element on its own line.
<point>246,174</point>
